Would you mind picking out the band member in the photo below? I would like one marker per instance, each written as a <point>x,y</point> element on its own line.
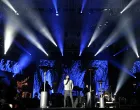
<point>85,92</point>
<point>87,95</point>
<point>47,87</point>
<point>68,87</point>
<point>20,85</point>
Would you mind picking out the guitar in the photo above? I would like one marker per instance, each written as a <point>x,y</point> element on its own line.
<point>20,84</point>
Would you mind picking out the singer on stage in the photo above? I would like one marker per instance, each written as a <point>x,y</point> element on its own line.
<point>68,87</point>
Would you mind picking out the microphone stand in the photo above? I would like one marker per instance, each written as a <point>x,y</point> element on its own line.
<point>44,80</point>
<point>101,95</point>
<point>90,89</point>
<point>89,94</point>
<point>44,95</point>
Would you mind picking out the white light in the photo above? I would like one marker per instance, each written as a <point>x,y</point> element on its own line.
<point>105,9</point>
<point>10,6</point>
<point>31,37</point>
<point>10,105</point>
<point>128,6</point>
<point>9,35</point>
<point>111,39</point>
<point>94,36</point>
<point>130,37</point>
<point>39,25</point>
<point>17,13</point>
<point>47,34</point>
<point>57,14</point>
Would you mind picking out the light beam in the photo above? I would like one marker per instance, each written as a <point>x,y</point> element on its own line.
<point>129,5</point>
<point>10,6</point>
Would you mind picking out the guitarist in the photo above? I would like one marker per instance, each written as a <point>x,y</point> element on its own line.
<point>20,85</point>
<point>86,93</point>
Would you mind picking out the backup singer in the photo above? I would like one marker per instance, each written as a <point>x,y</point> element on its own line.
<point>68,87</point>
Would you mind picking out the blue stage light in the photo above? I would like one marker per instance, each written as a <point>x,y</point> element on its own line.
<point>57,14</point>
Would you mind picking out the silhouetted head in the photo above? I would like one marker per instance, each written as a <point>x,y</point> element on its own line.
<point>46,82</point>
<point>86,86</point>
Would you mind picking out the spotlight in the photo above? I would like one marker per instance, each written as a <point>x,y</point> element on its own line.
<point>10,6</point>
<point>135,77</point>
<point>128,6</point>
<point>138,56</point>
<point>105,9</point>
<point>62,54</point>
<point>57,14</point>
<point>10,105</point>
<point>81,12</point>
<point>17,13</point>
<point>9,34</point>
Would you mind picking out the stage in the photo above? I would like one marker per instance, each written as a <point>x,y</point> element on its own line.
<point>69,53</point>
<point>55,108</point>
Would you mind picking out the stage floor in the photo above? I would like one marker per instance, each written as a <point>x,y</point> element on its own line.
<point>60,108</point>
<point>57,108</point>
<point>69,108</point>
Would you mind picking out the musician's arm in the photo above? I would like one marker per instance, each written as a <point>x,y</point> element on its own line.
<point>25,80</point>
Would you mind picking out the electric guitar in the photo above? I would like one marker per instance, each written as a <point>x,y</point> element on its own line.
<point>20,84</point>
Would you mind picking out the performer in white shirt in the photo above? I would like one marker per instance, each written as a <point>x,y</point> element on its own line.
<point>68,87</point>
